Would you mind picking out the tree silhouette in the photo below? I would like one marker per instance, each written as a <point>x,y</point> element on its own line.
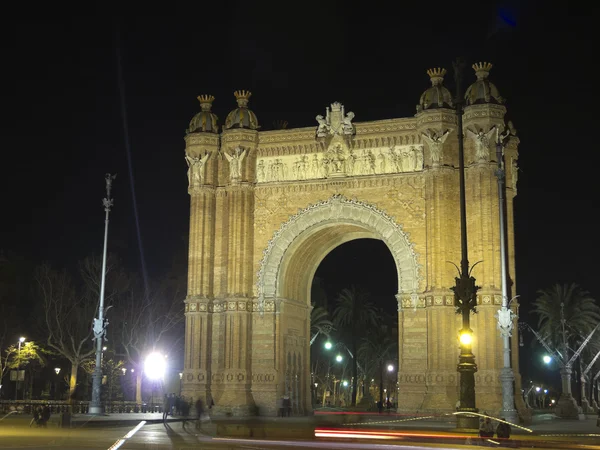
<point>149,320</point>
<point>375,350</point>
<point>353,316</point>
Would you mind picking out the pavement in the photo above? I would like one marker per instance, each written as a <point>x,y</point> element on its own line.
<point>542,424</point>
<point>546,429</point>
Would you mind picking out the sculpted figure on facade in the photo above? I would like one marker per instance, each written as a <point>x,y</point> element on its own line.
<point>396,158</point>
<point>335,159</point>
<point>235,163</point>
<point>436,143</point>
<point>350,161</point>
<point>324,128</point>
<point>482,143</point>
<point>381,161</point>
<point>348,127</point>
<point>261,174</point>
<point>196,169</point>
<point>419,159</point>
<point>280,170</point>
<point>335,122</point>
<point>412,159</point>
<point>370,162</point>
<point>314,166</point>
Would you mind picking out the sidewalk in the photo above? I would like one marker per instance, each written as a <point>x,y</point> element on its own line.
<point>543,424</point>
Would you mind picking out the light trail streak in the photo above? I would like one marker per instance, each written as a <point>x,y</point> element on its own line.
<point>129,435</point>
<point>493,418</point>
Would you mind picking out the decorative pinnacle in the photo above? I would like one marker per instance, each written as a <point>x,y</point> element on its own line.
<point>436,74</point>
<point>206,101</point>
<point>482,69</point>
<point>242,97</point>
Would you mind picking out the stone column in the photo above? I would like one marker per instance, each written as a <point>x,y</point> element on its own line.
<point>198,343</point>
<point>234,377</point>
<point>412,353</point>
<point>232,369</point>
<point>198,315</point>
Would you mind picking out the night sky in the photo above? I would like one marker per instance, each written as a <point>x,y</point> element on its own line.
<point>63,126</point>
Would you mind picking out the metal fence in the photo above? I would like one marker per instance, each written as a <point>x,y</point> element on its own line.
<point>60,406</point>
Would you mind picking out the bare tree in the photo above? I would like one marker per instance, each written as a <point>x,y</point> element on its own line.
<point>67,317</point>
<point>68,310</point>
<point>150,320</point>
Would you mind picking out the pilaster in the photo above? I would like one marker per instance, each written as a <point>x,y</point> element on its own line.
<point>232,374</point>
<point>200,152</point>
<point>198,346</point>
<point>412,352</point>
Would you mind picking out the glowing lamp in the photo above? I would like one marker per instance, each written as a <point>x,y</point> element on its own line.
<point>466,338</point>
<point>155,366</point>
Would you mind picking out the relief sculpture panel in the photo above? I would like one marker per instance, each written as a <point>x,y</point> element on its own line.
<point>354,162</point>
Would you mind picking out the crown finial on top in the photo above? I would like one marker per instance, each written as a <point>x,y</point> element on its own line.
<point>206,101</point>
<point>242,97</point>
<point>482,69</point>
<point>436,74</point>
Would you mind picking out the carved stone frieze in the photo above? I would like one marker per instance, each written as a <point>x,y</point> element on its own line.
<point>412,302</point>
<point>353,162</point>
<point>295,135</point>
<point>240,135</point>
<point>194,139</point>
<point>484,111</point>
<point>263,377</point>
<point>409,378</point>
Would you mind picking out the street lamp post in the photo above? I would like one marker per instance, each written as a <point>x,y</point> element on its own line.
<point>465,291</point>
<point>99,323</point>
<point>21,340</point>
<point>505,314</point>
<point>57,371</point>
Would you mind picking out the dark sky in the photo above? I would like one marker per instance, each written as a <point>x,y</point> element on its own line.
<point>63,128</point>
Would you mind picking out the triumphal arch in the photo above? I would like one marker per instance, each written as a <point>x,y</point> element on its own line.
<point>268,206</point>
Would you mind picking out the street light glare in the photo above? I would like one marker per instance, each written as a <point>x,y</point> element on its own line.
<point>466,338</point>
<point>155,366</point>
<point>547,359</point>
<point>339,358</point>
<point>328,345</point>
<point>390,368</point>
<point>21,339</point>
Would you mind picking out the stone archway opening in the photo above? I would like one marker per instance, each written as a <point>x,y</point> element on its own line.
<point>366,266</point>
<point>289,265</point>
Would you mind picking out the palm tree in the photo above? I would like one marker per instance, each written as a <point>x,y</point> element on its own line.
<point>319,322</point>
<point>377,348</point>
<point>566,315</point>
<point>355,313</point>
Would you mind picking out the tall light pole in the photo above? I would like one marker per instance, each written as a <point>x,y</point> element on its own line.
<point>505,314</point>
<point>21,340</point>
<point>465,291</point>
<point>99,323</point>
<point>57,371</point>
